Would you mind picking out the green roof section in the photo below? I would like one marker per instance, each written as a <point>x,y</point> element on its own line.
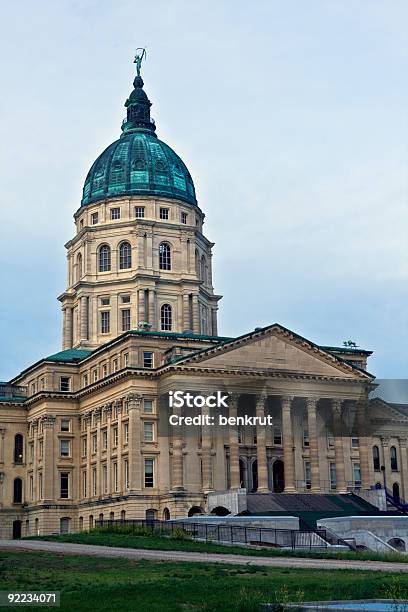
<point>69,356</point>
<point>346,350</point>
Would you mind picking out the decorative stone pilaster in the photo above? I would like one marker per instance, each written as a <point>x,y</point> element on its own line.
<point>206,451</point>
<point>67,328</point>
<point>385,443</point>
<point>2,434</point>
<point>34,428</point>
<point>364,442</point>
<point>97,413</point>
<point>261,446</point>
<point>186,313</point>
<point>233,442</point>
<point>118,408</point>
<point>404,465</point>
<point>134,403</point>
<point>337,406</point>
<point>107,410</point>
<point>311,405</point>
<point>84,318</point>
<point>287,440</point>
<point>49,473</point>
<point>196,315</point>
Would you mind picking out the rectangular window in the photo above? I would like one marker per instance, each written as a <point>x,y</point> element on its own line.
<point>148,406</point>
<point>105,440</point>
<point>147,359</point>
<point>333,477</point>
<point>105,322</point>
<point>94,218</point>
<point>41,449</point>
<point>40,486</point>
<point>84,491</point>
<point>94,443</point>
<point>254,436</point>
<point>65,383</point>
<point>306,438</point>
<point>126,319</point>
<point>184,218</point>
<point>354,443</point>
<point>31,488</point>
<point>164,213</point>
<point>148,431</point>
<point>126,359</point>
<point>105,301</point>
<point>104,370</point>
<point>104,479</point>
<point>84,447</point>
<point>126,474</point>
<point>277,436</point>
<point>126,433</point>
<point>115,213</point>
<point>115,436</point>
<point>65,448</point>
<point>308,478</point>
<point>115,478</point>
<point>115,365</point>
<point>65,425</point>
<point>94,481</point>
<point>240,437</point>
<point>31,452</point>
<point>139,212</point>
<point>357,474</point>
<point>95,375</point>
<point>148,473</point>
<point>125,299</point>
<point>330,439</point>
<point>85,380</point>
<point>64,485</point>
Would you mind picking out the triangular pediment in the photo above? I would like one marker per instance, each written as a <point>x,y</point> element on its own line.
<point>274,349</point>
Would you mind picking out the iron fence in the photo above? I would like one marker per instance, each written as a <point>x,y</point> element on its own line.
<point>235,534</point>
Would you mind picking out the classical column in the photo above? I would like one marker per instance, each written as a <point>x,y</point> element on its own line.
<point>338,445</point>
<point>311,403</point>
<point>84,318</point>
<point>88,420</point>
<point>2,433</point>
<point>141,306</point>
<point>118,407</point>
<point>152,309</point>
<point>34,426</point>
<point>97,415</point>
<point>206,451</point>
<point>385,443</point>
<point>49,459</point>
<point>261,446</point>
<point>135,459</point>
<point>404,466</point>
<point>108,414</point>
<point>363,441</point>
<point>68,328</point>
<point>196,315</point>
<point>287,440</point>
<point>177,462</point>
<point>186,313</point>
<point>233,443</point>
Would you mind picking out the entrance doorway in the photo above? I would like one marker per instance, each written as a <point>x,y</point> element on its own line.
<point>16,530</point>
<point>278,476</point>
<point>254,476</point>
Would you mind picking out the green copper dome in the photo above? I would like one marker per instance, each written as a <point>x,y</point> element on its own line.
<point>138,164</point>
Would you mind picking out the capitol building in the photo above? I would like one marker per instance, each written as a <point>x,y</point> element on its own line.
<point>85,433</point>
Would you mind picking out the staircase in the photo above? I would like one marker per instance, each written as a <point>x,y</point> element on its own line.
<point>398,503</point>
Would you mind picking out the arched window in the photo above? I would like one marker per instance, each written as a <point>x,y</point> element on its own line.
<point>164,256</point>
<point>165,317</point>
<point>18,491</point>
<point>125,256</point>
<point>104,258</point>
<point>18,448</point>
<point>166,514</point>
<point>202,271</point>
<point>197,262</point>
<point>376,458</point>
<point>394,460</point>
<point>79,267</point>
<point>151,515</point>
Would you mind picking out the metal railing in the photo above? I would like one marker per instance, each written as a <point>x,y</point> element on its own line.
<point>235,534</point>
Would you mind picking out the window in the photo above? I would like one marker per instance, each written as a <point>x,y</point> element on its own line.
<point>164,256</point>
<point>126,319</point>
<point>79,267</point>
<point>85,380</point>
<point>126,465</point>
<point>104,256</point>
<point>125,256</point>
<point>147,359</point>
<point>18,448</point>
<point>306,438</point>
<point>333,476</point>
<point>125,299</point>
<point>394,460</point>
<point>126,359</point>
<point>84,447</point>
<point>65,448</point>
<point>65,425</point>
<point>330,439</point>
<point>254,436</point>
<point>126,433</point>
<point>356,474</point>
<point>308,477</point>
<point>148,431</point>
<point>115,213</point>
<point>148,406</point>
<point>240,437</point>
<point>18,491</point>
<point>41,449</point>
<point>105,322</point>
<point>148,473</point>
<point>354,443</point>
<point>40,485</point>
<point>94,481</point>
<point>31,446</point>
<point>104,370</point>
<point>95,375</point>
<point>376,458</point>
<point>184,218</point>
<point>165,317</point>
<point>94,443</point>
<point>105,301</point>
<point>164,213</point>
<point>94,218</point>
<point>115,436</point>
<point>104,478</point>
<point>277,436</point>
<point>105,440</point>
<point>81,223</point>
<point>115,477</point>
<point>65,383</point>
<point>64,485</point>
<point>139,212</point>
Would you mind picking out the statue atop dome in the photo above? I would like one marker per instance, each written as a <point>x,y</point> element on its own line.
<point>139,57</point>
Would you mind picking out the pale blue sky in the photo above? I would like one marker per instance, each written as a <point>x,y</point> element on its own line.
<point>292,118</point>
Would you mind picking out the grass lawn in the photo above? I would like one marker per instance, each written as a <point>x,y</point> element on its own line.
<point>89,584</point>
<point>149,540</point>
